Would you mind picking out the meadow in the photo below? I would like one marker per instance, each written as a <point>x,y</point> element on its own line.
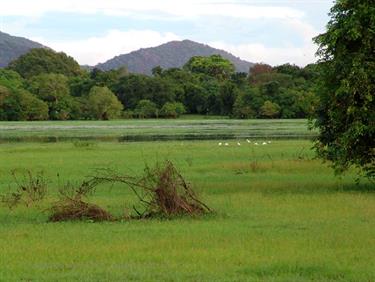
<point>279,213</point>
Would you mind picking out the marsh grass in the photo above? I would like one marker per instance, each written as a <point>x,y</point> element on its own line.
<point>290,219</point>
<point>28,188</point>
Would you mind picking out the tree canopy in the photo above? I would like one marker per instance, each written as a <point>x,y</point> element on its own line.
<point>43,60</point>
<point>205,85</point>
<point>103,104</point>
<point>214,65</point>
<point>346,112</point>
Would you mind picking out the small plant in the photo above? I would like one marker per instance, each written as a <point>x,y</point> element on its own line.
<point>30,189</point>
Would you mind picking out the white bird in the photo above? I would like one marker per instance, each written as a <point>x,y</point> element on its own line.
<point>269,142</point>
<point>248,141</point>
<point>220,144</point>
<point>256,143</point>
<point>226,144</point>
<point>238,143</point>
<point>264,143</point>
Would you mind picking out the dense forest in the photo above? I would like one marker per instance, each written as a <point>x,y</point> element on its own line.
<point>43,84</point>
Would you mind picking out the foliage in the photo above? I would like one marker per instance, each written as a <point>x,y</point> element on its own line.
<point>103,104</point>
<point>215,66</point>
<point>43,60</point>
<point>32,107</point>
<point>346,112</point>
<point>21,105</point>
<point>54,90</point>
<point>172,110</point>
<point>270,110</point>
<point>205,85</point>
<point>146,109</point>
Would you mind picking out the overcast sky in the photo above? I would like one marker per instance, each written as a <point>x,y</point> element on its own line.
<point>93,31</point>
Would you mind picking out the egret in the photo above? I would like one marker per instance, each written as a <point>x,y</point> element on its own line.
<point>226,144</point>
<point>269,142</point>
<point>248,141</point>
<point>264,143</point>
<point>256,143</point>
<point>238,143</point>
<point>220,144</point>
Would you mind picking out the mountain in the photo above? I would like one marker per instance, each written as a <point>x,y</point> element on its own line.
<point>11,47</point>
<point>173,54</point>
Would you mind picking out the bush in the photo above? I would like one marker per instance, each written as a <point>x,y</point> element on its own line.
<point>146,109</point>
<point>172,110</point>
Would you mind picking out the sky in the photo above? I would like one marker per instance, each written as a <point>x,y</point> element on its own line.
<point>92,31</point>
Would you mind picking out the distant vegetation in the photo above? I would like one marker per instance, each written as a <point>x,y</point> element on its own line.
<point>43,84</point>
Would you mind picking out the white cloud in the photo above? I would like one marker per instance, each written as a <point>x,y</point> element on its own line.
<point>99,49</point>
<point>258,52</point>
<point>149,8</point>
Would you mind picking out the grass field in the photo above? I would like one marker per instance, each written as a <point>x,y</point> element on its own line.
<point>280,215</point>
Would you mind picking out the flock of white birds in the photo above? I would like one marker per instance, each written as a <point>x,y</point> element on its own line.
<point>248,141</point>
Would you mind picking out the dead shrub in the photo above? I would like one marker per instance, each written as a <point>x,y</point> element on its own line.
<point>161,190</point>
<point>30,189</point>
<point>71,209</point>
<point>71,205</point>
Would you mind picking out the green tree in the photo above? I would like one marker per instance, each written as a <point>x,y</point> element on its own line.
<point>4,94</point>
<point>131,89</point>
<point>11,79</point>
<point>103,104</point>
<point>43,60</point>
<point>21,105</point>
<point>228,93</point>
<point>269,109</point>
<point>172,110</point>
<point>146,109</point>
<point>215,66</point>
<point>242,107</point>
<point>346,113</point>
<point>54,90</point>
<point>32,107</point>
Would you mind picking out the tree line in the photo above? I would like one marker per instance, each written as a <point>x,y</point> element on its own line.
<point>44,84</point>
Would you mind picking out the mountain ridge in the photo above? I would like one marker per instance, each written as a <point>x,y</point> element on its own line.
<point>12,47</point>
<point>173,54</point>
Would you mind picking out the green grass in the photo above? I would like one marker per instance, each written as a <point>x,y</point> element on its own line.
<point>279,215</point>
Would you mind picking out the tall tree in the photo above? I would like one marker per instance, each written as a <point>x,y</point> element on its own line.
<point>215,66</point>
<point>54,90</point>
<point>42,60</point>
<point>346,114</point>
<point>103,104</point>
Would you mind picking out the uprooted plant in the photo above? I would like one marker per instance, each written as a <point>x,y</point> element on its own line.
<point>162,191</point>
<point>30,188</point>
<point>73,206</point>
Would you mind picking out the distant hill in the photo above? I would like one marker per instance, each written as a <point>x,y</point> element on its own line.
<point>173,54</point>
<point>11,47</point>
